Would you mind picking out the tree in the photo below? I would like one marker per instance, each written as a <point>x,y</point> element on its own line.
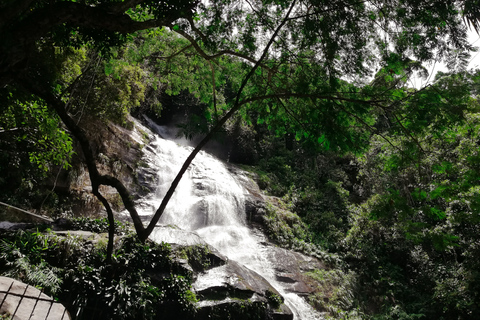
<point>303,63</point>
<point>297,75</point>
<point>29,28</point>
<point>416,234</point>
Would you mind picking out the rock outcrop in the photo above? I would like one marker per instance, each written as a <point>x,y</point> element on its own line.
<point>225,288</point>
<point>290,267</point>
<point>228,289</point>
<point>118,153</point>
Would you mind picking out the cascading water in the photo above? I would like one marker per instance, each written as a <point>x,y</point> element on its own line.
<point>210,202</point>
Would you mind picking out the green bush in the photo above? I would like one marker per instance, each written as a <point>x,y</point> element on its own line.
<point>143,282</point>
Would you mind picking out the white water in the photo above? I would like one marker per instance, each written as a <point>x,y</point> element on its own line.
<point>211,202</point>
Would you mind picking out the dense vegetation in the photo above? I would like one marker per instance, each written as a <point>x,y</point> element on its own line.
<point>315,94</point>
<point>405,226</point>
<point>72,269</point>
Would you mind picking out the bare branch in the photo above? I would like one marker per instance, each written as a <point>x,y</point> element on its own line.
<point>237,105</point>
<point>206,56</point>
<point>153,55</point>
<point>96,178</point>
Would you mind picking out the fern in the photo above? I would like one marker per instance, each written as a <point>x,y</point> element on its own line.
<point>17,265</point>
<point>41,275</point>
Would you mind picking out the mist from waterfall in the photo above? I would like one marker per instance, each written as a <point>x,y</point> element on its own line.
<point>210,202</point>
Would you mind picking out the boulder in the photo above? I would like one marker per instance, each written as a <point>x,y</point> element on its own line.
<point>232,287</point>
<point>24,302</point>
<point>6,225</point>
<point>191,253</point>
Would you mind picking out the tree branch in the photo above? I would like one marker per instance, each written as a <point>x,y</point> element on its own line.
<point>20,36</point>
<point>96,178</point>
<point>408,132</point>
<point>111,224</point>
<point>307,96</point>
<point>40,22</point>
<point>153,55</point>
<point>206,56</point>
<point>372,130</point>
<point>237,105</point>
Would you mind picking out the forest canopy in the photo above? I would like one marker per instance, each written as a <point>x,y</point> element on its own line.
<point>302,68</point>
<point>383,173</point>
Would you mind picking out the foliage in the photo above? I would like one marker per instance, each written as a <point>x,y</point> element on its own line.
<point>197,256</point>
<point>99,225</point>
<point>106,88</point>
<point>37,129</point>
<point>75,273</point>
<point>285,227</point>
<point>381,173</point>
<point>109,291</point>
<point>37,258</point>
<point>415,227</point>
<point>405,211</point>
<point>287,230</point>
<point>32,141</point>
<point>312,184</point>
<point>335,293</point>
<point>257,63</point>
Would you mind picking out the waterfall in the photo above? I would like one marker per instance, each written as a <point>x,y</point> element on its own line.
<point>210,202</point>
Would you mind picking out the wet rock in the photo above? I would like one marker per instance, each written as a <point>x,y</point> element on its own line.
<point>255,210</point>
<point>225,288</point>
<point>255,205</point>
<point>147,178</point>
<point>26,302</point>
<point>235,309</point>
<point>176,236</point>
<point>290,267</point>
<point>191,253</point>
<point>202,258</point>
<point>282,313</point>
<point>62,224</point>
<point>222,289</point>
<point>6,225</point>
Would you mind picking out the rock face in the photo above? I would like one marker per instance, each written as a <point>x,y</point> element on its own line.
<point>254,200</point>
<point>232,291</point>
<point>290,267</point>
<point>225,288</point>
<point>118,153</point>
<point>24,302</point>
